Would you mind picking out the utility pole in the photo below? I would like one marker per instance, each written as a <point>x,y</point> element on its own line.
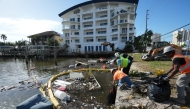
<point>144,36</point>
<point>146,19</point>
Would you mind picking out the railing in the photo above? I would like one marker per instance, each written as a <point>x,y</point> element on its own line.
<point>102,8</point>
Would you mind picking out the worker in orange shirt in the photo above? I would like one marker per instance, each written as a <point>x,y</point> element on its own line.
<point>180,63</point>
<point>122,77</point>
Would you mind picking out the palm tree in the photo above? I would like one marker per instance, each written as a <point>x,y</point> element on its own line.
<point>179,37</point>
<point>146,38</point>
<point>4,37</point>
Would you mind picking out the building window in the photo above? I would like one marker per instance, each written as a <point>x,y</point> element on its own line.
<point>85,48</point>
<point>92,48</point>
<point>114,30</point>
<point>130,38</point>
<point>72,19</point>
<point>72,26</point>
<point>104,48</point>
<point>100,48</point>
<point>87,18</point>
<point>103,16</point>
<point>130,29</point>
<point>124,39</point>
<point>114,38</point>
<point>87,26</point>
<point>96,48</point>
<point>66,34</point>
<point>124,30</point>
<point>89,40</point>
<point>67,41</point>
<point>77,41</point>
<point>101,40</point>
<point>89,33</point>
<point>76,33</point>
<point>103,24</point>
<point>101,32</point>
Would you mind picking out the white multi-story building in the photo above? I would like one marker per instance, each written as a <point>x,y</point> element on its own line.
<point>156,37</point>
<point>185,36</point>
<point>87,25</point>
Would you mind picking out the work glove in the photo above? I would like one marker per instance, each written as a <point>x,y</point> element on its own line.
<point>166,79</point>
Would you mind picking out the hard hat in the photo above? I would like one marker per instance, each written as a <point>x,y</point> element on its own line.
<point>168,49</point>
<point>117,54</point>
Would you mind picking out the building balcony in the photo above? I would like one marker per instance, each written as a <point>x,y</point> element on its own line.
<point>122,21</point>
<point>88,35</point>
<point>123,32</point>
<point>101,9</point>
<point>103,17</point>
<point>87,19</point>
<point>114,40</point>
<point>88,41</point>
<point>131,21</point>
<point>76,41</point>
<point>101,26</point>
<point>88,27</point>
<point>124,40</point>
<point>114,23</point>
<point>73,21</point>
<point>74,35</point>
<point>87,11</point>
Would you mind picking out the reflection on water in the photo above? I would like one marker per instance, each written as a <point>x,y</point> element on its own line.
<point>13,71</point>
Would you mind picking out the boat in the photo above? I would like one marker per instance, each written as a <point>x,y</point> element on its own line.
<point>58,88</point>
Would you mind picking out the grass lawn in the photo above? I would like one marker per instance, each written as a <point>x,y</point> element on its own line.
<point>151,66</point>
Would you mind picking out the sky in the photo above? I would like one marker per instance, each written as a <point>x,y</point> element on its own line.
<point>22,18</point>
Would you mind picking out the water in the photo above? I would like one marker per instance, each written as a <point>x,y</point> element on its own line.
<point>13,71</point>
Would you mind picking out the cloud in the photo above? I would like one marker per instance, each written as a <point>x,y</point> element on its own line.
<point>20,28</point>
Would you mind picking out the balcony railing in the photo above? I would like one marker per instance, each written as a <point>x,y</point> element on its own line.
<point>88,18</point>
<point>102,8</point>
<point>124,40</point>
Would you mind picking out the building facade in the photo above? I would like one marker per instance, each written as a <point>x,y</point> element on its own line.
<point>156,37</point>
<point>42,38</point>
<point>185,36</point>
<point>87,25</point>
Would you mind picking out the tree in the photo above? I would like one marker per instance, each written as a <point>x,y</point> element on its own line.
<point>4,37</point>
<point>179,37</point>
<point>146,38</point>
<point>128,47</point>
<point>138,44</point>
<point>34,39</point>
<point>20,43</point>
<point>52,42</point>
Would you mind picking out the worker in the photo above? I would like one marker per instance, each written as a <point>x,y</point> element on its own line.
<point>123,78</point>
<point>180,63</point>
<point>122,62</point>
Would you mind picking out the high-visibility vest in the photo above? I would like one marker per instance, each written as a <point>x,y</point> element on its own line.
<point>184,69</point>
<point>124,62</point>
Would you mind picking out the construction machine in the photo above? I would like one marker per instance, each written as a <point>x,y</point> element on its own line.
<point>155,51</point>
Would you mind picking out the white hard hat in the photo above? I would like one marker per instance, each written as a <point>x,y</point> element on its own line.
<point>117,54</point>
<point>168,49</point>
